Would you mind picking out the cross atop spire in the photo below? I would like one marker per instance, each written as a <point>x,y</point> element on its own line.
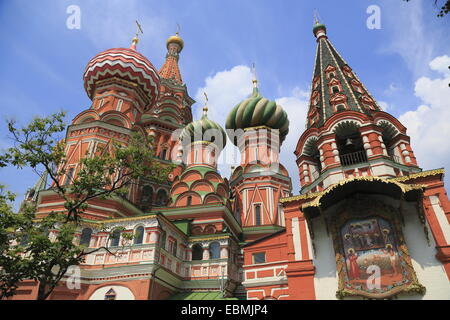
<point>205,107</point>
<point>136,37</point>
<point>255,79</point>
<point>335,87</point>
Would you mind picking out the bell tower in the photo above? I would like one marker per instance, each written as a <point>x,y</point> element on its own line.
<point>347,133</point>
<point>170,113</point>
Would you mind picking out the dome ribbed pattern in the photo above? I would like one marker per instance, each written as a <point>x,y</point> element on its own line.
<point>204,130</point>
<point>258,111</point>
<point>123,63</point>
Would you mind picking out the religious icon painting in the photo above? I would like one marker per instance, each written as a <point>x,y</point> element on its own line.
<point>110,295</point>
<point>372,258</point>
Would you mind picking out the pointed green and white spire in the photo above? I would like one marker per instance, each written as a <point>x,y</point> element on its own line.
<point>335,87</point>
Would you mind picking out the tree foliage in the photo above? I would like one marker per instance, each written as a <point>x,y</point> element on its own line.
<point>106,172</point>
<point>444,9</point>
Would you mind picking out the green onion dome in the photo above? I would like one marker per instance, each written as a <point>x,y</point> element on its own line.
<point>257,111</point>
<point>319,26</point>
<point>204,130</point>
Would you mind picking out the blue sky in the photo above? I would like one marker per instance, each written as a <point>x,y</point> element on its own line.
<point>403,64</point>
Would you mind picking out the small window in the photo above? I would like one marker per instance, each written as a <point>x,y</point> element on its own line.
<point>147,195</point>
<point>69,176</point>
<point>195,156</point>
<point>189,200</point>
<point>197,252</point>
<point>335,89</point>
<point>164,154</point>
<point>100,104</point>
<point>139,235</point>
<point>85,238</point>
<point>119,105</point>
<point>161,197</point>
<point>340,107</point>
<point>214,250</point>
<point>174,248</point>
<point>259,257</point>
<point>162,240</point>
<point>331,75</point>
<point>115,238</point>
<point>258,214</point>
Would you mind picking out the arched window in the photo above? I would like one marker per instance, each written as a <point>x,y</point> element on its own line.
<point>258,214</point>
<point>119,105</point>
<point>69,176</point>
<point>350,144</point>
<point>174,248</point>
<point>139,235</point>
<point>161,197</point>
<point>214,250</point>
<point>115,238</point>
<point>85,238</point>
<point>189,200</point>
<point>335,89</point>
<point>147,195</point>
<point>197,252</point>
<point>164,154</point>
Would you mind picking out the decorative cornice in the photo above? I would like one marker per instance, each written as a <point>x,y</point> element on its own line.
<point>422,174</point>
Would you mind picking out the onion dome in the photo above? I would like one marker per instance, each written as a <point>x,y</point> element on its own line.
<point>202,184</point>
<point>319,26</point>
<point>257,111</point>
<point>175,39</point>
<point>126,64</point>
<point>204,130</point>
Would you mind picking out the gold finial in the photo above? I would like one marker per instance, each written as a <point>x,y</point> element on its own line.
<point>136,36</point>
<point>254,80</point>
<point>316,17</point>
<point>178,30</point>
<point>205,107</point>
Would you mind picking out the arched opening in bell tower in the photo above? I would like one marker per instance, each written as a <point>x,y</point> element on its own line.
<point>350,144</point>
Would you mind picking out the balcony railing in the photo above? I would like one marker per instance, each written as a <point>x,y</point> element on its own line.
<point>395,158</point>
<point>353,158</point>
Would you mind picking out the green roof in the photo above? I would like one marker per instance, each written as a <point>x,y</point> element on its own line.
<point>212,295</point>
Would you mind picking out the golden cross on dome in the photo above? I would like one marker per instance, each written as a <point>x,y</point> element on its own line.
<point>136,37</point>
<point>178,29</point>
<point>254,80</point>
<point>139,29</point>
<point>205,108</point>
<point>316,16</point>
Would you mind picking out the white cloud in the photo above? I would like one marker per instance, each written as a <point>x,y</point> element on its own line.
<point>224,89</point>
<point>296,107</point>
<point>391,89</point>
<point>227,88</point>
<point>428,125</point>
<point>417,44</point>
<point>441,64</point>
<point>384,105</point>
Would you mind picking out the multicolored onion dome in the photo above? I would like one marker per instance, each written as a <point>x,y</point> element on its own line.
<point>203,184</point>
<point>258,111</point>
<point>127,64</point>
<point>204,130</point>
<point>175,39</point>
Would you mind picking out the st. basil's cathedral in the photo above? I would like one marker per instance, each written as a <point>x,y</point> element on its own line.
<point>368,223</point>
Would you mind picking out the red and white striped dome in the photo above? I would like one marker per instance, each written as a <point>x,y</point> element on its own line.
<point>127,64</point>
